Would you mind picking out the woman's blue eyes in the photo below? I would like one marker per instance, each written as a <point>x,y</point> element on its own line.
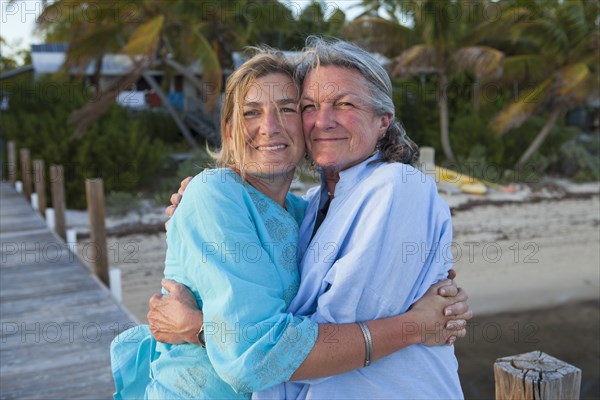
<point>254,113</point>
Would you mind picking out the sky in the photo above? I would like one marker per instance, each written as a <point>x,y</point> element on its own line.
<point>17,19</point>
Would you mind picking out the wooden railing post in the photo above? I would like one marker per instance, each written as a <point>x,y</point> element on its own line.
<point>536,375</point>
<point>39,180</point>
<point>26,173</point>
<point>95,204</point>
<point>57,188</point>
<point>11,166</point>
<point>427,161</point>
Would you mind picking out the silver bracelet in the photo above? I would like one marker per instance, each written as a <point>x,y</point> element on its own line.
<point>368,342</point>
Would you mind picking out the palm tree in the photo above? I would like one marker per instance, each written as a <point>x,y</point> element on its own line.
<point>380,35</point>
<point>273,23</point>
<point>392,9</point>
<point>154,34</point>
<point>448,45</point>
<point>564,51</point>
<point>9,62</point>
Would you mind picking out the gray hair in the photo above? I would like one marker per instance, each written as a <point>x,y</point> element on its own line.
<point>395,145</point>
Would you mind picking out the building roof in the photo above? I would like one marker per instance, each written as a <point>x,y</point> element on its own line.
<point>49,48</point>
<point>17,71</point>
<point>49,58</point>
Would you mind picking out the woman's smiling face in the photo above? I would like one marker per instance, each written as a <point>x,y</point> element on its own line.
<point>273,126</point>
<point>340,127</point>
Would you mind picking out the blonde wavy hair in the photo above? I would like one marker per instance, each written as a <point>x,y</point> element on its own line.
<point>265,61</point>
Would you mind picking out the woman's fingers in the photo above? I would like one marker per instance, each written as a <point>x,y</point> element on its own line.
<point>455,334</point>
<point>175,199</point>
<point>460,333</point>
<point>437,286</point>
<point>459,305</point>
<point>170,210</point>
<point>154,300</point>
<point>171,286</point>
<point>456,324</point>
<point>184,184</point>
<point>467,315</point>
<point>458,309</point>
<point>450,290</point>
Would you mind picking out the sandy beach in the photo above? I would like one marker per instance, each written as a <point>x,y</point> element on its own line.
<point>530,262</point>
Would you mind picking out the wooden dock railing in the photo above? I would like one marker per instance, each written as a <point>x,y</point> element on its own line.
<point>94,190</point>
<point>37,177</point>
<point>57,320</point>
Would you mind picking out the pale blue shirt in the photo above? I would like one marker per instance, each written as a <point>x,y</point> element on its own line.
<point>386,239</point>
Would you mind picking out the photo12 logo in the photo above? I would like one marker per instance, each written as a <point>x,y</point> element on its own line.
<point>65,331</point>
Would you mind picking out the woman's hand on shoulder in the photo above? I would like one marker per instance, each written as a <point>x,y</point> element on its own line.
<point>176,198</point>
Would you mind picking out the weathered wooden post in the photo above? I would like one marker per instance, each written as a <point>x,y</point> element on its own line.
<point>39,180</point>
<point>26,173</point>
<point>536,375</point>
<point>94,190</point>
<point>11,166</point>
<point>57,187</point>
<point>427,161</point>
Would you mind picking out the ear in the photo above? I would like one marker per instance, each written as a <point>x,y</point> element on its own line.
<point>385,121</point>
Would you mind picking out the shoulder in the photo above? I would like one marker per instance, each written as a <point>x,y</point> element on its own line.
<point>406,185</point>
<point>402,177</point>
<point>212,188</point>
<point>214,196</point>
<point>214,181</point>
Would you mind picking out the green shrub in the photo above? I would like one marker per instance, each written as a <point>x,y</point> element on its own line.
<point>479,152</point>
<point>123,148</point>
<point>417,109</point>
<point>171,179</point>
<point>579,158</point>
<point>120,203</point>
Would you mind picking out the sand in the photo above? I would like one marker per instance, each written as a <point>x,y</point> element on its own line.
<point>530,262</point>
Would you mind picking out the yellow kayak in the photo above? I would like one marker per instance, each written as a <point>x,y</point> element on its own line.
<point>465,183</point>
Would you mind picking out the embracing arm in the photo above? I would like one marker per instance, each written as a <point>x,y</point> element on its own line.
<point>341,347</point>
<point>175,318</point>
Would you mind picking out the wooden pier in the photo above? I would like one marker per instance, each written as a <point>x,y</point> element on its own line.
<point>57,319</point>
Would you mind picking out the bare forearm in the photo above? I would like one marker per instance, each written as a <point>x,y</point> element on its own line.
<point>341,348</point>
